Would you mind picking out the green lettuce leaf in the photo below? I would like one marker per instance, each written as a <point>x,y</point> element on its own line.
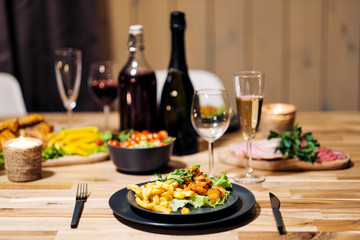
<point>143,144</point>
<point>221,181</point>
<point>102,148</point>
<point>51,153</point>
<point>105,136</point>
<point>197,201</point>
<point>175,204</point>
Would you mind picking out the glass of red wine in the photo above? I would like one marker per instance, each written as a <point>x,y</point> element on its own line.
<point>103,82</point>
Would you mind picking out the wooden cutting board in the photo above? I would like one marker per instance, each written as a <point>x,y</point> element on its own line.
<point>289,164</point>
<point>74,160</point>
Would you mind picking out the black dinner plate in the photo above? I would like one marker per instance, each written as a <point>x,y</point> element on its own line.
<point>120,205</point>
<point>232,199</point>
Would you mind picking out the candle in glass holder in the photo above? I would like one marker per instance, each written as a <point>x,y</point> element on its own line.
<point>278,117</point>
<point>23,159</point>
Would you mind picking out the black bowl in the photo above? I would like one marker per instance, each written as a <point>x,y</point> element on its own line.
<point>140,160</point>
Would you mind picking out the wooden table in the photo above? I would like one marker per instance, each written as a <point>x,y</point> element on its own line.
<point>324,204</point>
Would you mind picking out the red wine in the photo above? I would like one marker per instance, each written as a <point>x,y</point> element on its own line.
<point>137,100</point>
<point>137,87</point>
<point>105,91</point>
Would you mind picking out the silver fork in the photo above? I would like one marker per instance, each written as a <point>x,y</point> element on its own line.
<point>81,197</point>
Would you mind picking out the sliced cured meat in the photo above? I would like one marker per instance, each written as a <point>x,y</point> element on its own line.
<point>326,155</point>
<point>261,149</point>
<point>264,149</point>
<point>340,155</point>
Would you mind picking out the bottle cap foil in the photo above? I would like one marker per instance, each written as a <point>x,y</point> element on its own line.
<point>177,20</point>
<point>136,29</point>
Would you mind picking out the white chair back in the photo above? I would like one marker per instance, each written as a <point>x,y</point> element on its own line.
<point>11,99</point>
<point>200,79</point>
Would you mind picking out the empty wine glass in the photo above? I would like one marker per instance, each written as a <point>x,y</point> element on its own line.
<point>210,117</point>
<point>103,82</point>
<point>249,91</point>
<point>68,75</point>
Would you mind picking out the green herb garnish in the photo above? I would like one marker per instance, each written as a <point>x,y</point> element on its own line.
<point>295,144</point>
<point>123,135</point>
<point>179,175</point>
<point>221,181</point>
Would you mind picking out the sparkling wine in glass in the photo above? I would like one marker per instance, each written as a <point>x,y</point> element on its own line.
<point>210,117</point>
<point>68,75</point>
<point>103,82</point>
<point>249,91</point>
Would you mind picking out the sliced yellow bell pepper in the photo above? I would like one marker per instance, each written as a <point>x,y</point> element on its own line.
<point>79,141</point>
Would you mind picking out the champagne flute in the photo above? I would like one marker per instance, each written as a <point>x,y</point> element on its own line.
<point>210,117</point>
<point>249,91</point>
<point>103,84</point>
<point>68,75</point>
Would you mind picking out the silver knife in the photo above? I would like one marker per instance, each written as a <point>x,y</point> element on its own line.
<point>275,205</point>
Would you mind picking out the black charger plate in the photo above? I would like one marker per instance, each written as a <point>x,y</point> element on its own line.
<point>120,205</point>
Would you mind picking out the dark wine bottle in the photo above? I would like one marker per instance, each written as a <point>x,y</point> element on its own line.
<point>177,93</point>
<point>137,87</point>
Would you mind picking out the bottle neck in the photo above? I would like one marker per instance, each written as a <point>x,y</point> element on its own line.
<point>136,43</point>
<point>136,52</point>
<point>178,60</point>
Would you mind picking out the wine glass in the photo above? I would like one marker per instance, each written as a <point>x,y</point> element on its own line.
<point>210,117</point>
<point>249,91</point>
<point>68,75</point>
<point>103,83</point>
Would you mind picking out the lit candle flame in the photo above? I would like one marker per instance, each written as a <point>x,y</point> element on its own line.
<point>24,143</point>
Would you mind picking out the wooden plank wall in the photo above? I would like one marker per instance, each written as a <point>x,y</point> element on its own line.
<point>308,49</point>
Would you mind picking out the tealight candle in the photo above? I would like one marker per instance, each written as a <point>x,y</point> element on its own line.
<point>23,159</point>
<point>23,143</point>
<point>278,117</point>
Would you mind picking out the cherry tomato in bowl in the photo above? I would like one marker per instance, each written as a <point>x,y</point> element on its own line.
<point>141,151</point>
<point>114,143</point>
<point>143,139</point>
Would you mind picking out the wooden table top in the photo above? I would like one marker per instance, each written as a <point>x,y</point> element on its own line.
<point>323,204</point>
